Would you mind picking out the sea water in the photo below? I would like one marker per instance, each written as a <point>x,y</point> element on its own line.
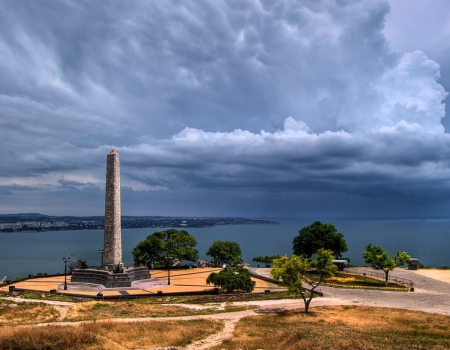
<point>24,253</point>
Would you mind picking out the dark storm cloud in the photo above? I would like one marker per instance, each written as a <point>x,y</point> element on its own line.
<point>230,107</point>
<point>393,160</point>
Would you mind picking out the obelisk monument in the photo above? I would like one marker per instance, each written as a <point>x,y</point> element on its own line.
<point>112,274</point>
<point>113,231</point>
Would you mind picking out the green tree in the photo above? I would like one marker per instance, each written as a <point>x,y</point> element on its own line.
<point>265,259</point>
<point>317,235</point>
<point>158,246</point>
<point>296,270</point>
<point>224,252</point>
<point>150,250</point>
<point>377,257</point>
<point>232,279</point>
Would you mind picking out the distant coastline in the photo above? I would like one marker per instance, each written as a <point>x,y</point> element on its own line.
<point>34,222</point>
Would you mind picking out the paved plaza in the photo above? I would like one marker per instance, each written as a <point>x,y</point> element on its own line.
<point>181,280</point>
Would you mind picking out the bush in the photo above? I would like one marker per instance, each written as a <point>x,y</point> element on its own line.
<point>232,279</point>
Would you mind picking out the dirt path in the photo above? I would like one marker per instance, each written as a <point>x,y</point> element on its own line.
<point>49,302</point>
<point>218,338</point>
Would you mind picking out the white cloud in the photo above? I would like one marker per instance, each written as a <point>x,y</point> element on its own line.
<point>412,94</point>
<point>294,125</point>
<point>425,28</point>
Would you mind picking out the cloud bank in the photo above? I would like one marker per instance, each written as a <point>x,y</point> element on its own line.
<point>245,107</point>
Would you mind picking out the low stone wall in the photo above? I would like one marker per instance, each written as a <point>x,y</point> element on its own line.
<point>265,278</point>
<point>111,279</point>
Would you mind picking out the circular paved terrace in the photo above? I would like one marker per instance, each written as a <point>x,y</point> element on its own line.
<point>181,280</point>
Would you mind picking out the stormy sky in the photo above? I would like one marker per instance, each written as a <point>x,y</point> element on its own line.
<point>288,108</point>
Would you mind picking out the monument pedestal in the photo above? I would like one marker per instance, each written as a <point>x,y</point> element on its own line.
<point>111,279</point>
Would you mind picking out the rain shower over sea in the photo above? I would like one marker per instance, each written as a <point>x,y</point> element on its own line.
<point>24,253</point>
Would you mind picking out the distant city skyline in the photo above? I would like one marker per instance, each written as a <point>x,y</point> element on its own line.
<point>39,223</point>
<point>322,109</point>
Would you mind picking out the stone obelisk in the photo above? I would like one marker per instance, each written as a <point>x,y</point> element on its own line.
<point>113,232</point>
<point>113,274</point>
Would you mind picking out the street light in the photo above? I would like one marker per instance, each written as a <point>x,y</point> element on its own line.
<point>65,271</point>
<point>168,258</point>
<point>101,251</point>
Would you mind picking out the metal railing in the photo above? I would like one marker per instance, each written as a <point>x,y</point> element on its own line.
<point>380,275</point>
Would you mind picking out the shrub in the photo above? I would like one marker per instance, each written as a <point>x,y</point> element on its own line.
<point>232,279</point>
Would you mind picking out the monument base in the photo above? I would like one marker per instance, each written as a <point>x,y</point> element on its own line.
<point>110,279</point>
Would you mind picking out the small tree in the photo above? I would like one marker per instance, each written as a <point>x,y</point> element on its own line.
<point>232,279</point>
<point>317,235</point>
<point>224,252</point>
<point>296,270</point>
<point>158,246</point>
<point>377,257</point>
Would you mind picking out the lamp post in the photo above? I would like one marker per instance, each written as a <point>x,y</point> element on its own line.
<point>168,258</point>
<point>65,271</point>
<point>101,251</point>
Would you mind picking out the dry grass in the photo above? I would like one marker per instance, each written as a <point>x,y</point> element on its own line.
<point>95,310</point>
<point>342,327</point>
<point>26,313</point>
<point>12,313</point>
<point>46,296</point>
<point>110,336</point>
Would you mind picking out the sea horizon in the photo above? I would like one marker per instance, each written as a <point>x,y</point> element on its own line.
<point>24,253</point>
